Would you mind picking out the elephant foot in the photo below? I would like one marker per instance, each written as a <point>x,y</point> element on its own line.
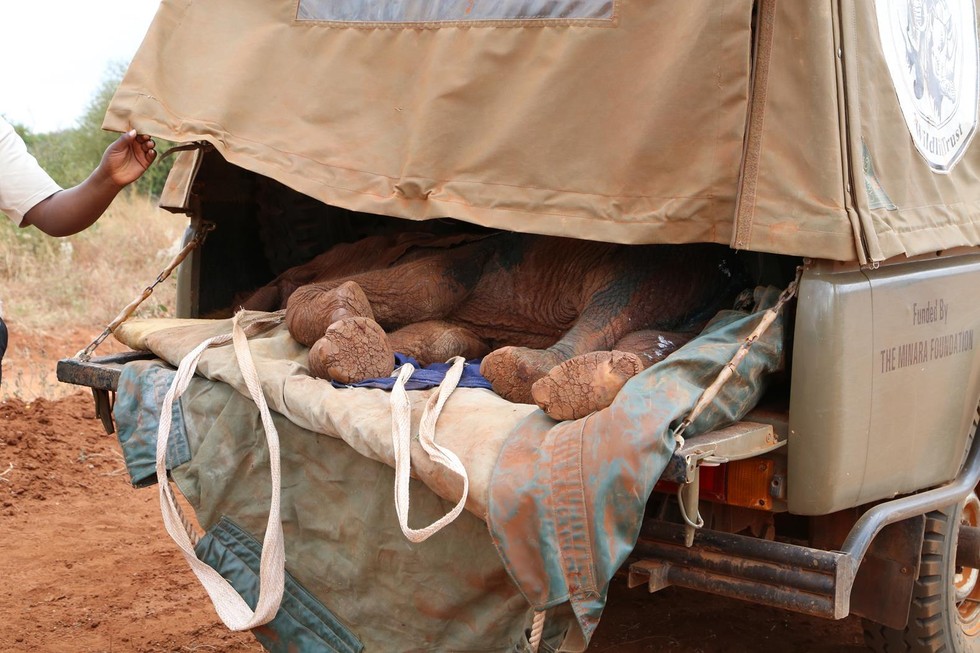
<point>585,384</point>
<point>311,309</point>
<point>352,349</point>
<point>513,370</point>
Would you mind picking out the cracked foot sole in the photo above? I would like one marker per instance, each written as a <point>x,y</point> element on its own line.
<point>585,384</point>
<point>352,349</point>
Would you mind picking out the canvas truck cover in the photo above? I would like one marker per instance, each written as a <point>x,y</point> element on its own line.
<point>840,130</point>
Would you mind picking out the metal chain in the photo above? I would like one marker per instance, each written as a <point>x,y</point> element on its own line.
<point>197,239</point>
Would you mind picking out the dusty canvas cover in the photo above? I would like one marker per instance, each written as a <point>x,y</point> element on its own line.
<point>786,127</point>
<point>928,174</point>
<point>346,558</point>
<point>831,159</point>
<point>619,121</point>
<point>567,499</point>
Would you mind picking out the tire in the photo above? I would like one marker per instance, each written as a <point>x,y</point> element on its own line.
<point>945,610</point>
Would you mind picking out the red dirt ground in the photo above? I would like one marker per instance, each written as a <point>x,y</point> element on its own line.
<point>87,566</point>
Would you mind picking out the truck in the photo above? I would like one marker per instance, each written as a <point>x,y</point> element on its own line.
<point>828,144</point>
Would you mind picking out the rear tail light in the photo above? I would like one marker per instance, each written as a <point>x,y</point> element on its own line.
<point>745,483</point>
<point>749,482</point>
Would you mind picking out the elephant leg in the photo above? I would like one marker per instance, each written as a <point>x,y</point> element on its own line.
<point>312,309</point>
<point>428,288</point>
<point>590,382</point>
<point>604,320</point>
<point>651,345</point>
<point>351,350</point>
<point>513,370</point>
<point>626,298</point>
<point>436,341</point>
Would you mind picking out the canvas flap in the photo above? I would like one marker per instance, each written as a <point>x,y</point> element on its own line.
<point>619,121</point>
<point>912,89</point>
<point>783,127</point>
<point>844,170</point>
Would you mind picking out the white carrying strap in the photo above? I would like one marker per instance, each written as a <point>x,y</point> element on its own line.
<point>230,606</point>
<point>401,440</point>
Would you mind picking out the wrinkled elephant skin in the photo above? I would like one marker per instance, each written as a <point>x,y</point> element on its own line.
<point>532,302</point>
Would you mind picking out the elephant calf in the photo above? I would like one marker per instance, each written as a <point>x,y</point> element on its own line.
<point>527,304</point>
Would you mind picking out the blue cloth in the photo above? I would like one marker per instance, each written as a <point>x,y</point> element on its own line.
<point>424,378</point>
<point>567,499</point>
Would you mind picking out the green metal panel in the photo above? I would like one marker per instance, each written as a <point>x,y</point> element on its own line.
<point>886,377</point>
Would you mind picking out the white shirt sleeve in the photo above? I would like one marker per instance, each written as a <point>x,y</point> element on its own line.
<point>23,183</point>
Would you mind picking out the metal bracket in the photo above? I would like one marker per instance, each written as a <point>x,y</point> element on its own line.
<point>104,400</point>
<point>736,442</point>
<point>689,502</point>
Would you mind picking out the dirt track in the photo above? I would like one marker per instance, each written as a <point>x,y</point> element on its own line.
<point>87,566</point>
<point>86,563</point>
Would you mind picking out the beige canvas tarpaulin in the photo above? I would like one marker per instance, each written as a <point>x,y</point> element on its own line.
<point>627,129</point>
<point>798,204</point>
<point>631,121</point>
<point>838,172</point>
<point>918,209</point>
<point>478,420</point>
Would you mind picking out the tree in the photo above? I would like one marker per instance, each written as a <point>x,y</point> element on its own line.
<point>70,155</point>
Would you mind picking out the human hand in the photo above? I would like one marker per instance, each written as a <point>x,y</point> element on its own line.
<point>71,210</point>
<point>128,157</point>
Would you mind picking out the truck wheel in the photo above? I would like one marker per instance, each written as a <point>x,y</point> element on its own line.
<point>945,610</point>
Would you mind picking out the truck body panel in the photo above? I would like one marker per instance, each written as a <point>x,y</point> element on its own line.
<point>886,372</point>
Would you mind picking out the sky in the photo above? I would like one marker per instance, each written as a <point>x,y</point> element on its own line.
<point>54,54</point>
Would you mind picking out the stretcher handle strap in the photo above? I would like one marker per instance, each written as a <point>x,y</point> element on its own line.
<point>230,606</point>
<point>401,440</point>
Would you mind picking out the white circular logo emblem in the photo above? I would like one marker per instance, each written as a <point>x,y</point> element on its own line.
<point>931,50</point>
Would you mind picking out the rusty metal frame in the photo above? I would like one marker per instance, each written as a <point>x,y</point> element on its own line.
<point>799,578</point>
<point>101,374</point>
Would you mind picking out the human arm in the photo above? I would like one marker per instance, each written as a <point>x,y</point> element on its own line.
<point>71,210</point>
